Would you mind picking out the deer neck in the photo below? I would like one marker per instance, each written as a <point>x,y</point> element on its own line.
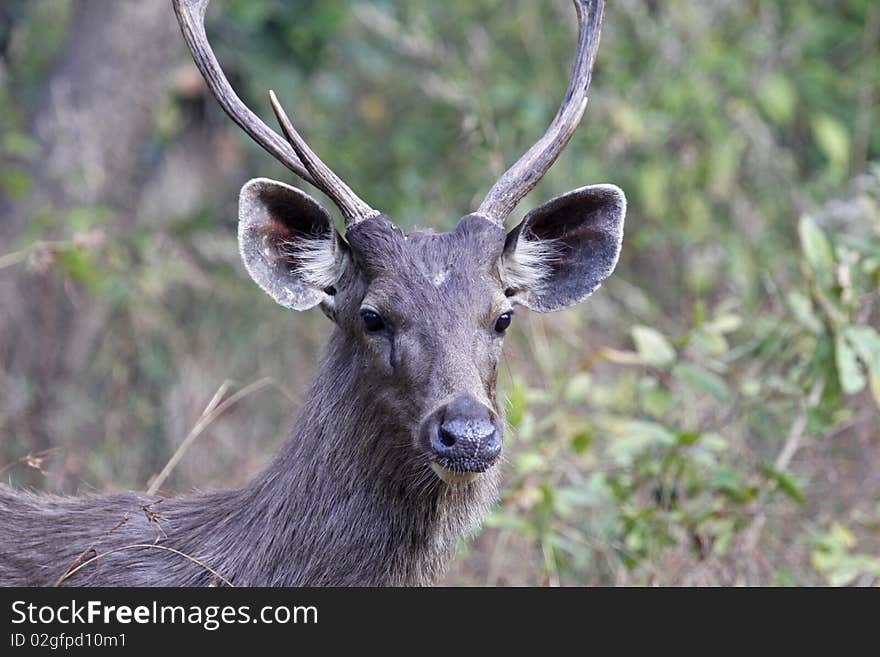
<point>346,501</point>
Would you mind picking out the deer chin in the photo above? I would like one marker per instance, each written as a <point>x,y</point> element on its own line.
<point>454,478</point>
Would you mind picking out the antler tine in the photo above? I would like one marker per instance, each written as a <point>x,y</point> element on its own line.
<point>353,208</point>
<point>191,18</point>
<point>292,152</point>
<point>522,177</point>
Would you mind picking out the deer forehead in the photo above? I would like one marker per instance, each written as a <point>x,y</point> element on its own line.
<point>463,257</point>
<point>425,273</point>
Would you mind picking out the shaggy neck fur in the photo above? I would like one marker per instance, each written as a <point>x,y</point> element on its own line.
<point>346,502</point>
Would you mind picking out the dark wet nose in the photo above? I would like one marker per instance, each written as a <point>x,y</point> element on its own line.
<point>467,437</point>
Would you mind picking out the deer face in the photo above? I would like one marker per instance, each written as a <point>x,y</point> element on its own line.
<point>426,313</point>
<point>429,315</point>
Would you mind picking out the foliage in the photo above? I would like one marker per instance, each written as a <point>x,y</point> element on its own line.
<point>655,454</point>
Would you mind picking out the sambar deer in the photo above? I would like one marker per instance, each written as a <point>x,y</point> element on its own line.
<point>394,456</point>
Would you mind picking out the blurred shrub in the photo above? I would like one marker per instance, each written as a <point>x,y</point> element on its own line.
<point>690,441</point>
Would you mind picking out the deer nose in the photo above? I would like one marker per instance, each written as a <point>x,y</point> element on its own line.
<point>467,436</point>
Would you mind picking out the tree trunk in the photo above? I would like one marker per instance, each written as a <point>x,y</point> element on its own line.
<point>93,124</point>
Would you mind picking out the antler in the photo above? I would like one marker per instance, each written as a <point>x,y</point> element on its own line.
<point>293,153</point>
<point>522,177</point>
<point>352,207</point>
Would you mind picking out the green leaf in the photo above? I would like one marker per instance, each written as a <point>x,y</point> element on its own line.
<point>714,442</point>
<point>653,186</point>
<point>726,323</point>
<point>874,382</point>
<point>817,250</point>
<point>636,436</point>
<point>701,380</point>
<point>842,536</point>
<point>17,144</point>
<point>578,387</point>
<point>802,308</point>
<point>15,182</point>
<point>529,462</point>
<point>849,372</point>
<point>656,400</point>
<point>652,346</point>
<point>725,161</point>
<point>726,480</point>
<point>687,437</point>
<point>865,342</point>
<point>750,388</point>
<point>778,97</point>
<point>516,404</point>
<point>512,521</point>
<point>786,482</point>
<point>711,342</point>
<point>650,432</point>
<point>832,137</point>
<point>80,219</point>
<point>724,530</point>
<point>83,268</point>
<point>581,441</point>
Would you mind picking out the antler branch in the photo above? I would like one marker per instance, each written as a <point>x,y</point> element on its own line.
<point>292,152</point>
<point>352,207</point>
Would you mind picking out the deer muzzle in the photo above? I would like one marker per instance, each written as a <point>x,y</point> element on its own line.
<point>464,439</point>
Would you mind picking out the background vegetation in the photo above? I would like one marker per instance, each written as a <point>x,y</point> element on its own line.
<point>710,416</point>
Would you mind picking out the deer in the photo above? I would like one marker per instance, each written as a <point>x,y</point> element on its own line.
<point>394,457</point>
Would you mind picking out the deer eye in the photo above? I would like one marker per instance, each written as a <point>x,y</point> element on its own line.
<point>503,322</point>
<point>373,321</point>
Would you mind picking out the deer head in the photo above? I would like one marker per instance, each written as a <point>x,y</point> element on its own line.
<point>424,314</point>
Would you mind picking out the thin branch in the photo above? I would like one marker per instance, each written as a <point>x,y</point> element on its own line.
<point>752,534</point>
<point>152,546</point>
<point>212,411</point>
<point>87,240</point>
<point>31,459</point>
<point>91,548</point>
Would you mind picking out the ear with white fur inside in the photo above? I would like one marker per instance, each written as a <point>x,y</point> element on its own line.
<point>288,244</point>
<point>565,248</point>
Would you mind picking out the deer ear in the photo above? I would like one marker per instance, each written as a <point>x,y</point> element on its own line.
<point>564,249</point>
<point>289,245</point>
